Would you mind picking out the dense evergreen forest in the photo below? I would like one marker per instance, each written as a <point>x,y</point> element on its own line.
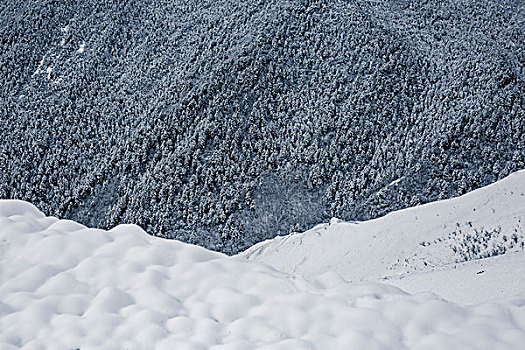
<point>226,122</point>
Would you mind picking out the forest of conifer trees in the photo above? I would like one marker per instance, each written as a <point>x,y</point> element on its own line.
<point>223,123</point>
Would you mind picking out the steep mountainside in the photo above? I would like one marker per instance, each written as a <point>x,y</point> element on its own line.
<point>224,123</point>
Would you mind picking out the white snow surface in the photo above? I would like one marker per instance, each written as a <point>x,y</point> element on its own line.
<point>389,248</point>
<point>65,286</point>
<point>82,47</point>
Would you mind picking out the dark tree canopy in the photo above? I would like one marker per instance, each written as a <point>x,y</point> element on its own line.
<point>223,123</point>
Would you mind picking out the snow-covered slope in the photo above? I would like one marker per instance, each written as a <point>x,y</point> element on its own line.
<point>421,248</point>
<point>64,286</point>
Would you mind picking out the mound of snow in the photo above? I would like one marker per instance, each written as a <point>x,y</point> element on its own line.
<point>438,247</point>
<point>64,286</point>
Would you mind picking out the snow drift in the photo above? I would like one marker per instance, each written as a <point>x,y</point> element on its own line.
<point>453,247</point>
<point>65,286</point>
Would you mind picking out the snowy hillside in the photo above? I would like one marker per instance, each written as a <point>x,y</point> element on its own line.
<point>223,123</point>
<point>434,247</point>
<point>64,286</point>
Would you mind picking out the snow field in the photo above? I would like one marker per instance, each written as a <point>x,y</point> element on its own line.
<point>413,248</point>
<point>64,286</point>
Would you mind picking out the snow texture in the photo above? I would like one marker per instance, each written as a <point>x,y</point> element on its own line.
<point>65,286</point>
